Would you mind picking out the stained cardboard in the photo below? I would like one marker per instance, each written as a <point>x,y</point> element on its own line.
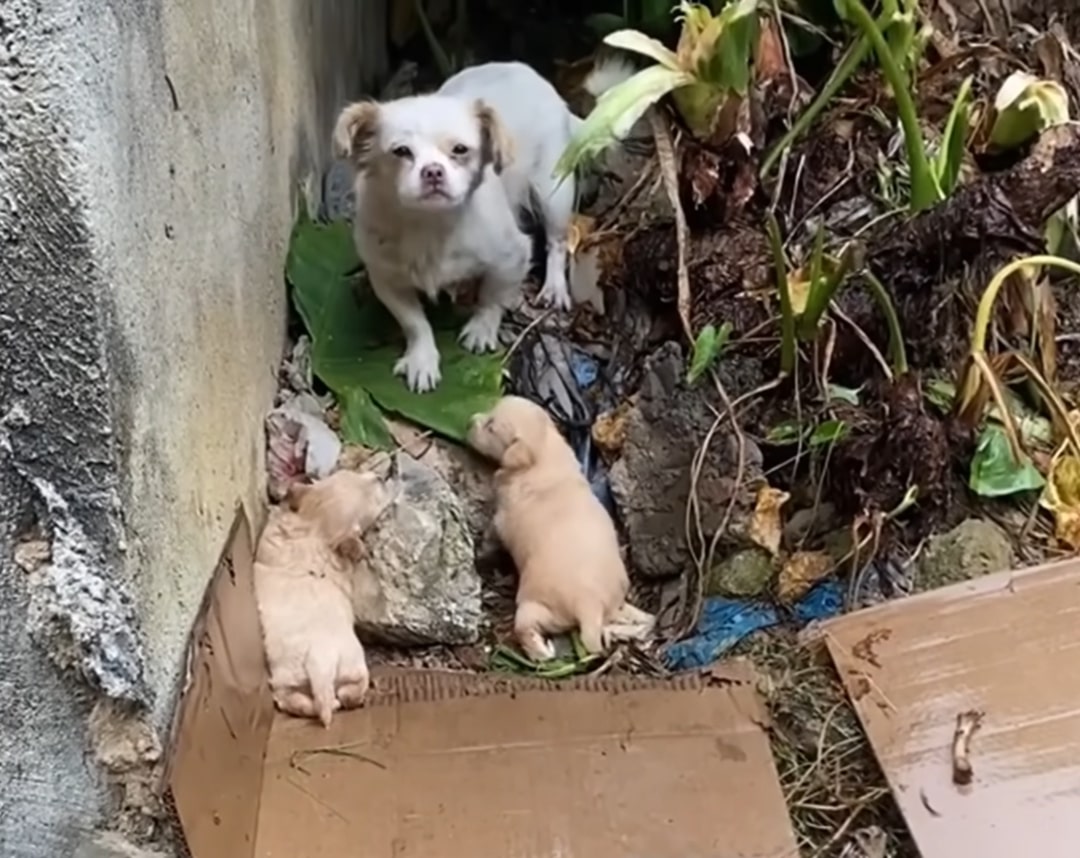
<point>452,765</point>
<point>1007,645</point>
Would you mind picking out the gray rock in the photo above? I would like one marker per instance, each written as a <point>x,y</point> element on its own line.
<point>651,482</point>
<point>419,583</point>
<point>970,550</point>
<point>746,574</point>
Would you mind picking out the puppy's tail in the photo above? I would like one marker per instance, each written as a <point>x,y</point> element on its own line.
<point>321,671</point>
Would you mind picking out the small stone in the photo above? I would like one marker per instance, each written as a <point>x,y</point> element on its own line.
<point>419,584</point>
<point>745,574</point>
<point>973,548</point>
<point>32,554</point>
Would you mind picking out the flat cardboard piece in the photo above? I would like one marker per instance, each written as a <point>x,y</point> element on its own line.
<point>223,721</point>
<point>459,766</point>
<point>1007,645</point>
<point>453,765</point>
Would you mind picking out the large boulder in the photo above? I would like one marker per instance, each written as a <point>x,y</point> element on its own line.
<point>418,584</point>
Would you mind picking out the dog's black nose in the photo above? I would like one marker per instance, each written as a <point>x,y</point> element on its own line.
<point>433,174</point>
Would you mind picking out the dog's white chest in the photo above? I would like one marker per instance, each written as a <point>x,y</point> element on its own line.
<point>428,263</point>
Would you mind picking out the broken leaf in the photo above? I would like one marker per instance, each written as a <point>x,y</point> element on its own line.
<point>994,471</point>
<point>766,527</point>
<point>1062,497</point>
<point>1024,107</point>
<point>787,432</point>
<point>356,343</point>
<point>616,112</point>
<point>849,395</point>
<point>800,573</point>
<point>708,346</point>
<point>828,432</point>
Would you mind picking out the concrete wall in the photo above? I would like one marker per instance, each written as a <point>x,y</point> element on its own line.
<point>151,154</point>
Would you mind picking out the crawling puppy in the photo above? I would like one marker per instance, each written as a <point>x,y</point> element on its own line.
<point>303,586</point>
<point>440,181</point>
<point>561,538</point>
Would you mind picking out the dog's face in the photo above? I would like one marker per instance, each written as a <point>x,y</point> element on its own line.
<point>512,433</point>
<point>342,505</point>
<point>431,151</point>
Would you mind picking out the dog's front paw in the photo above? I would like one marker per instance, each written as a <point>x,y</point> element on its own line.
<point>481,333</point>
<point>420,367</point>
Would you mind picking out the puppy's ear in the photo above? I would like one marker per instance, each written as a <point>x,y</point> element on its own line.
<point>354,133</point>
<point>295,494</point>
<point>351,548</point>
<point>496,146</point>
<point>518,456</point>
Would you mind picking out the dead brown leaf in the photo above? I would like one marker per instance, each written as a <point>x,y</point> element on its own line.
<point>769,61</point>
<point>766,527</point>
<point>609,430</point>
<point>800,573</point>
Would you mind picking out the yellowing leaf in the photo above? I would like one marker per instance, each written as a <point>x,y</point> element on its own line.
<point>1062,497</point>
<point>799,290</point>
<point>639,43</point>
<point>765,526</point>
<point>581,227</point>
<point>800,573</point>
<point>1025,106</point>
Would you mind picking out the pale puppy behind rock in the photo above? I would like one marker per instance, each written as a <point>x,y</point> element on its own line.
<point>441,179</point>
<point>304,566</point>
<point>564,544</point>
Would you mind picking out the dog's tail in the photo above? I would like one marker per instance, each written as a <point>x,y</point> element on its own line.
<point>322,671</point>
<point>608,72</point>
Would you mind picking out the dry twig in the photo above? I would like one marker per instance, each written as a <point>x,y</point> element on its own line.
<point>967,724</point>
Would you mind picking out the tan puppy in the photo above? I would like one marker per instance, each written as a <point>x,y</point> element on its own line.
<point>303,586</point>
<point>561,538</point>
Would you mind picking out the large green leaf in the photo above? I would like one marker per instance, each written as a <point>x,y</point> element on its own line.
<point>994,471</point>
<point>356,342</point>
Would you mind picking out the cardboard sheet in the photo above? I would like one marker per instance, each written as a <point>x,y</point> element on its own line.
<point>441,765</point>
<point>223,722</point>
<point>456,766</point>
<point>1007,645</point>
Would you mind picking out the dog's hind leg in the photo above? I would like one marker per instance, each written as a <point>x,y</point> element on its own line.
<point>556,200</point>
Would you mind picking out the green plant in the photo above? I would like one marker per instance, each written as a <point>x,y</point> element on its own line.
<point>707,76</point>
<point>806,293</point>
<point>708,347</point>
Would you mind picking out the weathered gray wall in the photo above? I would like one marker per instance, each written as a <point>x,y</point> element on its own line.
<point>151,155</point>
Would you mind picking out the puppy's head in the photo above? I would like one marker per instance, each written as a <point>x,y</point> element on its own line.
<point>429,151</point>
<point>342,506</point>
<point>513,433</point>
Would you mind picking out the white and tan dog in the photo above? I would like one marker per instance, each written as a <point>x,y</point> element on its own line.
<point>303,585</point>
<point>440,181</point>
<point>564,544</point>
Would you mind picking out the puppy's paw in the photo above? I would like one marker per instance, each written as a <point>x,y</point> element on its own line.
<point>420,368</point>
<point>555,294</point>
<point>481,333</point>
<point>537,647</point>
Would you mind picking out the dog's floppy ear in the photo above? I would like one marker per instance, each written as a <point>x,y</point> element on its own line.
<point>518,456</point>
<point>351,547</point>
<point>354,133</point>
<point>496,147</point>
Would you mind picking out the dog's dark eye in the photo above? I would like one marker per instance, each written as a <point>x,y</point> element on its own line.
<point>460,149</point>
<point>401,152</point>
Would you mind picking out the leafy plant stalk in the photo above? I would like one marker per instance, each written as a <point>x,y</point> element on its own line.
<point>787,314</point>
<point>924,189</point>
<point>989,297</point>
<point>897,350</point>
<point>852,59</point>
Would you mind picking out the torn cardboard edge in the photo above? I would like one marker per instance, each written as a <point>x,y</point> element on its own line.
<point>1003,646</point>
<point>701,734</point>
